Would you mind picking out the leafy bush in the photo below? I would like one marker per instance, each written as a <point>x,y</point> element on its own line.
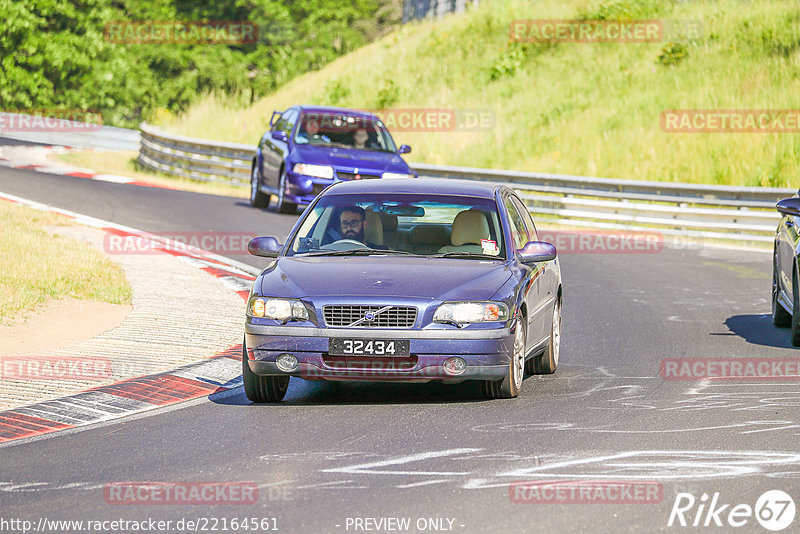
<point>672,54</point>
<point>54,54</point>
<point>627,9</point>
<point>336,92</point>
<point>508,62</point>
<point>387,95</point>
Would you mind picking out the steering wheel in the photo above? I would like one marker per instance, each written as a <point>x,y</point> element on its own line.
<point>343,244</point>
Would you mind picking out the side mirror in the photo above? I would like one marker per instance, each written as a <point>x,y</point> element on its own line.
<point>267,247</point>
<point>536,251</point>
<point>276,115</point>
<point>404,149</point>
<point>280,135</point>
<point>789,206</point>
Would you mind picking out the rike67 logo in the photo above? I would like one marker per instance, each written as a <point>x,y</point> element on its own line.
<point>774,510</point>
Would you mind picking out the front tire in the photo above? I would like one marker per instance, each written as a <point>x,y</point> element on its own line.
<point>262,388</point>
<point>509,386</point>
<point>257,198</point>
<point>795,309</point>
<point>547,362</point>
<point>780,317</point>
<point>283,206</point>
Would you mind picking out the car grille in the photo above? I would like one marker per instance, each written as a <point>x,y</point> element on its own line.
<point>317,188</point>
<point>394,317</point>
<point>352,176</point>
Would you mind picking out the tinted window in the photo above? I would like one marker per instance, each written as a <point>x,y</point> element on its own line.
<point>526,219</point>
<point>287,121</point>
<point>519,233</point>
<point>344,131</point>
<point>279,123</point>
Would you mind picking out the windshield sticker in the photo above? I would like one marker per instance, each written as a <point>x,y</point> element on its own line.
<point>489,247</point>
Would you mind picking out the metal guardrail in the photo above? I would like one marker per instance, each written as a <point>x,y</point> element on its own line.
<point>692,210</point>
<point>198,159</point>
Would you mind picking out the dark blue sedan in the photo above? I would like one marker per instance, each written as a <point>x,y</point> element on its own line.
<point>309,148</point>
<point>413,280</point>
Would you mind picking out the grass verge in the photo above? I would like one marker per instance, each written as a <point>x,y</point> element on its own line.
<point>36,265</point>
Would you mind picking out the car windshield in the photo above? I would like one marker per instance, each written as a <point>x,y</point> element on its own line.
<point>343,131</point>
<point>401,224</point>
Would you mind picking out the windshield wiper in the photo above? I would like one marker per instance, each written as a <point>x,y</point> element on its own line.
<point>359,252</point>
<point>467,255</point>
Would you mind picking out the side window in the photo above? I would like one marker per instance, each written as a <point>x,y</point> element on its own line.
<point>287,121</point>
<point>309,231</point>
<point>526,218</point>
<point>518,231</point>
<point>277,126</point>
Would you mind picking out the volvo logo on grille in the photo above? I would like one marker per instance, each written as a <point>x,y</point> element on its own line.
<point>370,316</point>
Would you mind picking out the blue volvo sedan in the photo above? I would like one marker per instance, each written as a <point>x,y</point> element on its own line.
<point>308,148</point>
<point>413,280</point>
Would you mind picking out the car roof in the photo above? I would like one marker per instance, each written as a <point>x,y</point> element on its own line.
<point>331,109</point>
<point>438,186</point>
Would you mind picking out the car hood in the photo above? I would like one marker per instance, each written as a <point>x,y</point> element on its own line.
<point>346,160</point>
<point>371,276</point>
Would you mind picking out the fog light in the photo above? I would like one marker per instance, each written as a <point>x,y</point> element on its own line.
<point>286,362</point>
<point>454,365</point>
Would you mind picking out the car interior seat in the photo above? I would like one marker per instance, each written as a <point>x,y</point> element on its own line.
<point>469,227</point>
<point>392,236</point>
<point>373,233</point>
<point>428,238</point>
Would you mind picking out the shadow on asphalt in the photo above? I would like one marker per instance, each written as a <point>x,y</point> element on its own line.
<point>759,330</point>
<point>320,393</point>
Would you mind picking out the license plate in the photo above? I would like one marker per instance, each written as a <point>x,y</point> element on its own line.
<point>369,347</point>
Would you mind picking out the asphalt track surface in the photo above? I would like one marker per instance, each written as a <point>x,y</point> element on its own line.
<point>331,451</point>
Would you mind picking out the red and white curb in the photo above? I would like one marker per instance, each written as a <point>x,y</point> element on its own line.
<point>218,373</point>
<point>75,172</point>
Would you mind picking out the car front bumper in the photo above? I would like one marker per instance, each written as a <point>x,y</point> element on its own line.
<point>487,353</point>
<point>302,189</point>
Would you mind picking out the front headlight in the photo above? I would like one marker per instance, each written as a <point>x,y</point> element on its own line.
<point>317,171</point>
<point>470,312</point>
<point>278,309</point>
<point>396,176</point>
